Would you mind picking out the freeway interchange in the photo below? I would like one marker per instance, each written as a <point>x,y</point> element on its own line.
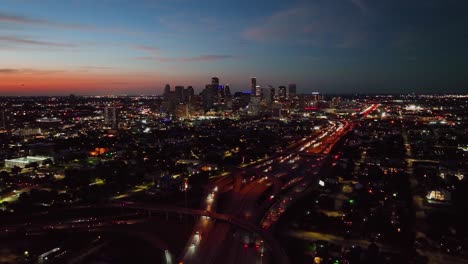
<point>239,227</point>
<point>259,193</point>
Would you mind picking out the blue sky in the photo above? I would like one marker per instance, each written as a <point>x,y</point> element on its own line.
<point>117,46</point>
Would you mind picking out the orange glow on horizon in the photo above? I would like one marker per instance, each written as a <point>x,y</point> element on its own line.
<point>24,83</point>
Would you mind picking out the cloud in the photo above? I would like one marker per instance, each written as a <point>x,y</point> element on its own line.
<point>190,22</point>
<point>318,24</point>
<point>145,48</point>
<point>290,22</point>
<point>201,58</point>
<point>97,67</point>
<point>119,83</point>
<point>34,22</point>
<point>24,41</point>
<point>360,5</point>
<point>28,71</point>
<point>18,19</point>
<point>7,71</point>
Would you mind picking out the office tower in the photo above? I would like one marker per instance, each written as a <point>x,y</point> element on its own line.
<point>2,119</point>
<point>282,92</point>
<point>215,82</point>
<point>190,91</point>
<point>188,94</point>
<point>316,96</point>
<point>254,87</point>
<point>227,91</point>
<point>272,93</point>
<point>258,91</point>
<point>110,116</point>
<point>208,95</point>
<point>228,103</point>
<point>220,91</point>
<point>335,102</point>
<point>179,93</point>
<point>167,89</point>
<point>292,90</point>
<point>267,95</point>
<point>254,106</point>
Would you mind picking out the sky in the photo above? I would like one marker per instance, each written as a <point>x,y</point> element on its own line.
<point>60,47</point>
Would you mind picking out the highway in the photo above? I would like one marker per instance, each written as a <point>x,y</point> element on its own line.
<point>257,194</point>
<point>284,177</point>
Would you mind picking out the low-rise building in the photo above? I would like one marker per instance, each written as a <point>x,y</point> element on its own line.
<point>24,161</point>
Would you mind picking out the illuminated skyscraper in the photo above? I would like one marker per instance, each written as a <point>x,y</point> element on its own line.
<point>227,91</point>
<point>254,87</point>
<point>316,96</point>
<point>208,96</point>
<point>282,92</point>
<point>2,119</point>
<point>272,93</point>
<point>215,82</point>
<point>188,94</point>
<point>335,102</point>
<point>110,116</point>
<point>268,95</point>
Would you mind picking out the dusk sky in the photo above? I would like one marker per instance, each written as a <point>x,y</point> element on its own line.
<point>136,47</point>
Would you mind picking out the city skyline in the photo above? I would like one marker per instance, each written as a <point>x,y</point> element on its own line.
<point>128,47</point>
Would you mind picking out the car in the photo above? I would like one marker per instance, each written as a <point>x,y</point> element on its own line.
<point>421,243</point>
<point>451,246</point>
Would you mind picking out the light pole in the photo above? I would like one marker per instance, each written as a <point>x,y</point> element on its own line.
<point>186,204</point>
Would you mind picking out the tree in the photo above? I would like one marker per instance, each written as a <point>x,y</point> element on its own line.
<point>4,176</point>
<point>33,165</point>
<point>48,162</point>
<point>16,170</point>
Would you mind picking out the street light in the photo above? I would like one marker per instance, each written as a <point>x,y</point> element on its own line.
<point>186,204</point>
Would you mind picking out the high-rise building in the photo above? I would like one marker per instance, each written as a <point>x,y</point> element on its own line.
<point>256,91</point>
<point>254,106</point>
<point>282,92</point>
<point>268,95</point>
<point>335,102</point>
<point>220,91</point>
<point>167,89</point>
<point>316,96</point>
<point>215,82</point>
<point>227,91</point>
<point>179,93</point>
<point>188,94</point>
<point>272,93</point>
<point>2,119</point>
<point>110,116</point>
<point>292,89</point>
<point>208,95</point>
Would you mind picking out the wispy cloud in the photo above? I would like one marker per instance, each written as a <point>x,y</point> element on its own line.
<point>315,24</point>
<point>25,41</point>
<point>190,22</point>
<point>145,48</point>
<point>28,71</point>
<point>7,71</point>
<point>289,22</point>
<point>97,67</point>
<point>361,5</point>
<point>9,18</point>
<point>19,19</point>
<point>201,58</point>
